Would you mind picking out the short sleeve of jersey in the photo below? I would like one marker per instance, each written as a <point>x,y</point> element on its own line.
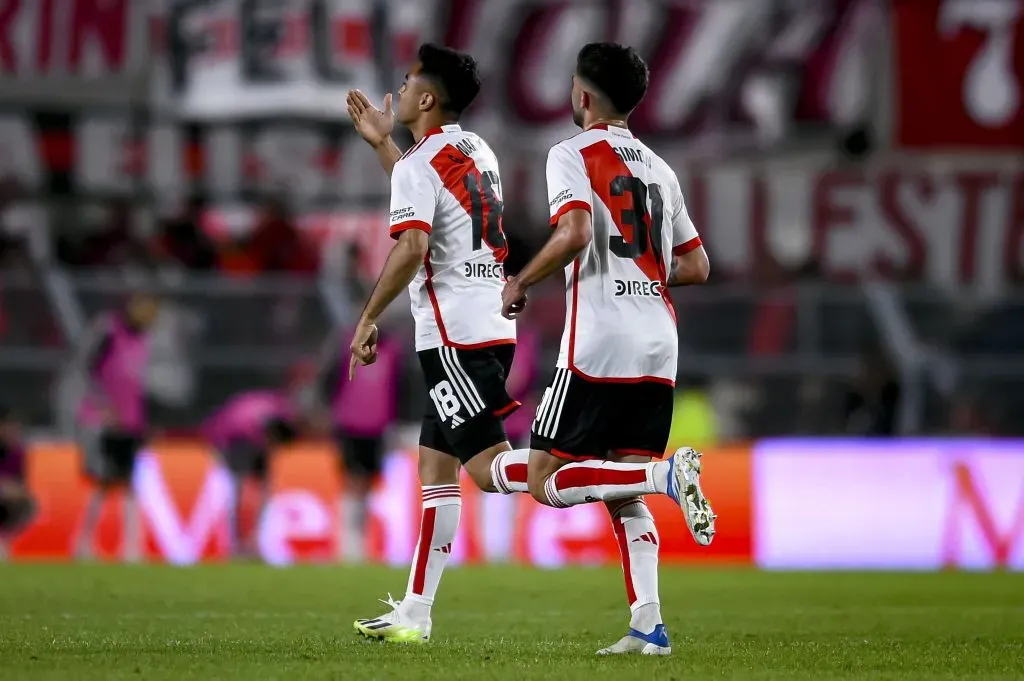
<point>568,184</point>
<point>684,234</point>
<point>413,197</point>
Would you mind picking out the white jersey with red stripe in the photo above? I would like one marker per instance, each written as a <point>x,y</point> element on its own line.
<point>448,186</point>
<point>620,324</point>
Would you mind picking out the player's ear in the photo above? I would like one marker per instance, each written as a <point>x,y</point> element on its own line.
<point>584,99</point>
<point>427,101</point>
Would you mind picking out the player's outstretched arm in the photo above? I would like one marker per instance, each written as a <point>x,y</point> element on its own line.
<point>375,126</point>
<point>572,234</point>
<point>402,264</point>
<point>690,268</point>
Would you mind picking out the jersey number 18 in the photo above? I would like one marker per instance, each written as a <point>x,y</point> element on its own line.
<point>482,189</point>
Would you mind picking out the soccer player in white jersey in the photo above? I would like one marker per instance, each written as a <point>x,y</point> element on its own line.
<point>446,220</point>
<point>622,235</point>
<point>445,202</point>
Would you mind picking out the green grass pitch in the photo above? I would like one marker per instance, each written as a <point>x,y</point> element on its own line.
<point>252,622</point>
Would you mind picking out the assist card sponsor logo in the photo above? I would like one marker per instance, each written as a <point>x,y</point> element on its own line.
<point>561,197</point>
<point>400,214</point>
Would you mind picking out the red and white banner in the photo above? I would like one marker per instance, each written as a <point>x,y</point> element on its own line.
<point>959,73</point>
<point>951,221</point>
<point>85,39</point>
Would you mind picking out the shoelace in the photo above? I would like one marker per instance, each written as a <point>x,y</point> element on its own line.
<point>390,601</point>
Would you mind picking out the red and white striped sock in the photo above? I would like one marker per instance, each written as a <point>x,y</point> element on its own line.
<point>442,506</point>
<point>638,542</point>
<point>508,471</point>
<point>589,481</point>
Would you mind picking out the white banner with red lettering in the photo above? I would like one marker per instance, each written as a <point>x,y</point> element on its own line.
<point>225,59</point>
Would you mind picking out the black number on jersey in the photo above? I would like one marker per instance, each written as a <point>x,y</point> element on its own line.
<point>647,226</point>
<point>483,189</point>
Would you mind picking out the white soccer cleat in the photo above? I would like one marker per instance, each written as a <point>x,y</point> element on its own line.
<point>393,627</point>
<point>684,488</point>
<point>654,643</point>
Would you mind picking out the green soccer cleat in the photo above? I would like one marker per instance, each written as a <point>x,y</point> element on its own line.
<point>393,627</point>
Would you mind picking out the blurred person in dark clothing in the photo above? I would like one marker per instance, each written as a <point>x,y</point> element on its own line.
<point>17,507</point>
<point>182,239</point>
<point>355,285</point>
<point>277,245</point>
<point>360,409</point>
<point>100,237</point>
<point>15,253</point>
<point>872,401</point>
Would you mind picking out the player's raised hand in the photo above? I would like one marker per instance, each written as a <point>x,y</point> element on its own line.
<point>364,347</point>
<point>513,299</point>
<point>372,123</point>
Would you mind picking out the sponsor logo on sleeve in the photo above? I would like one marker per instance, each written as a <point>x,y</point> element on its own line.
<point>401,214</point>
<point>561,197</point>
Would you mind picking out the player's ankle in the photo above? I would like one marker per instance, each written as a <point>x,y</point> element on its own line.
<point>416,607</point>
<point>645,617</point>
<point>662,471</point>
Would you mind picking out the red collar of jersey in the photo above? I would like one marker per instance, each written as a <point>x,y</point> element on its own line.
<point>452,127</point>
<point>605,126</point>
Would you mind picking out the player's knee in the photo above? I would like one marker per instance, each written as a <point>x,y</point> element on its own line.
<point>479,470</point>
<point>437,468</point>
<point>535,485</point>
<point>482,478</point>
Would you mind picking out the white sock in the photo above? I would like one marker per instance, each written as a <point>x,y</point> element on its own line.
<point>85,543</point>
<point>252,539</point>
<point>442,506</point>
<point>645,617</point>
<point>352,541</point>
<point>508,471</point>
<point>638,542</point>
<point>589,481</point>
<point>235,516</point>
<point>131,534</point>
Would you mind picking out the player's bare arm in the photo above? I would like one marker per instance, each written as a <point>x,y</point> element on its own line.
<point>402,264</point>
<point>572,234</point>
<point>690,268</point>
<point>375,126</point>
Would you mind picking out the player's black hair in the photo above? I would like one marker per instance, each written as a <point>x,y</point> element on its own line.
<point>6,414</point>
<point>617,71</point>
<point>454,73</point>
<point>281,431</point>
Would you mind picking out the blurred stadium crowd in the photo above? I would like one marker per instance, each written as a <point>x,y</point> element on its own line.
<point>852,165</point>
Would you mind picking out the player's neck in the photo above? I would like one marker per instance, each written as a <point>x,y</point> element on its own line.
<point>607,120</point>
<point>421,127</point>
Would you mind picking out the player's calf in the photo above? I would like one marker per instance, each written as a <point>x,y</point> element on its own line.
<point>542,468</point>
<point>584,482</point>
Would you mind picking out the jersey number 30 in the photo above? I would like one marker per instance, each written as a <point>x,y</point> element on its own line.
<point>482,189</point>
<point>646,226</point>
